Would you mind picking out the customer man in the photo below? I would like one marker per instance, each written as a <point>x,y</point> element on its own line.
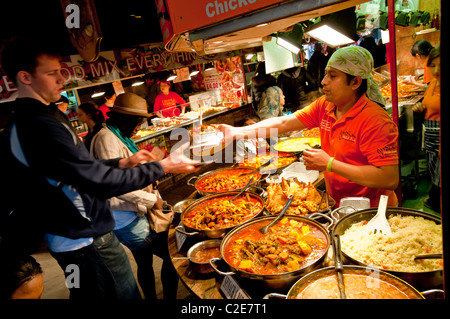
<point>359,140</point>
<point>69,188</point>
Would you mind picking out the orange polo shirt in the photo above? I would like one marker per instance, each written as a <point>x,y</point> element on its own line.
<point>432,100</point>
<point>427,75</point>
<point>365,135</point>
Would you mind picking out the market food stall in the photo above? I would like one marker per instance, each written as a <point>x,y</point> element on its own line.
<point>244,26</point>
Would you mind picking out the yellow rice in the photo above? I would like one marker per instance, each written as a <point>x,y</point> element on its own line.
<point>411,236</point>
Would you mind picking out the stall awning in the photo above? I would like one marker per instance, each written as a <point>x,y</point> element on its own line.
<point>200,30</point>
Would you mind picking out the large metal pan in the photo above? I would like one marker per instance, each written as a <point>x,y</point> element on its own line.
<point>200,178</point>
<point>371,274</point>
<point>420,280</point>
<point>214,233</point>
<point>272,281</point>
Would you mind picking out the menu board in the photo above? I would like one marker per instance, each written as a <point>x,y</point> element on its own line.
<point>231,78</point>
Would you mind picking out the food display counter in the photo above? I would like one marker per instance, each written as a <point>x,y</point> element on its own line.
<point>161,137</point>
<point>212,285</point>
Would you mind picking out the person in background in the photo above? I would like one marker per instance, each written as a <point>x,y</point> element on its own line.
<point>431,105</point>
<point>110,98</point>
<point>420,50</point>
<point>295,82</point>
<point>166,102</point>
<point>71,188</point>
<point>63,104</point>
<point>358,152</point>
<point>316,65</point>
<point>260,82</point>
<point>130,210</point>
<point>152,91</point>
<point>89,114</point>
<point>21,278</point>
<point>271,103</point>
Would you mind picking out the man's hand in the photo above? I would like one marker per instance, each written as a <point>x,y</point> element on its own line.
<point>316,159</point>
<point>176,162</point>
<point>419,107</point>
<point>142,156</point>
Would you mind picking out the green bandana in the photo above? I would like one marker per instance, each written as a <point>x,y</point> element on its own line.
<point>357,61</point>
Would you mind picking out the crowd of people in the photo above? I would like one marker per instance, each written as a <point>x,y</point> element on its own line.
<point>101,193</point>
<point>72,189</point>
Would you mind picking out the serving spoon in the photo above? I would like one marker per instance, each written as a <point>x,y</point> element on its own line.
<point>379,223</point>
<point>264,230</point>
<point>243,189</point>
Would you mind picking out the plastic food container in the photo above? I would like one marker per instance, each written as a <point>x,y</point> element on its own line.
<point>299,171</point>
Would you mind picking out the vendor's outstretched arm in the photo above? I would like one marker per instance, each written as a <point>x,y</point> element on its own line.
<point>262,129</point>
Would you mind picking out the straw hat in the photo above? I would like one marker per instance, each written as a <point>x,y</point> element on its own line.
<point>130,103</point>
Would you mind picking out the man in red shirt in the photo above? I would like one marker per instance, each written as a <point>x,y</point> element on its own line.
<point>358,138</point>
<point>166,102</point>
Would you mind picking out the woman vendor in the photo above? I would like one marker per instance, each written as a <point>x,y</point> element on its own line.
<point>166,102</point>
<point>359,139</point>
<point>431,105</point>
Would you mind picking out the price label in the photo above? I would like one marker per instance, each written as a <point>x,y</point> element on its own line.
<point>232,290</point>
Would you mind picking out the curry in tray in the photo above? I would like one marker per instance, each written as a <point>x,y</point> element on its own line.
<point>290,245</point>
<point>227,180</point>
<point>282,160</point>
<point>219,212</point>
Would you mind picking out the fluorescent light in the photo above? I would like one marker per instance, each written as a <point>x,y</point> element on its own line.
<point>330,36</point>
<point>172,77</point>
<point>97,94</point>
<point>288,46</point>
<point>195,72</point>
<point>385,36</point>
<point>261,25</point>
<point>249,56</point>
<point>137,83</point>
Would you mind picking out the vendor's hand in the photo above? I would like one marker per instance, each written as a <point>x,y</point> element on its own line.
<point>142,156</point>
<point>419,107</point>
<point>316,159</point>
<point>229,132</point>
<point>176,162</point>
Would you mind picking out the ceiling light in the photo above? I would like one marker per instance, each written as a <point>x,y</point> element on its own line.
<point>97,94</point>
<point>336,29</point>
<point>172,77</point>
<point>249,56</point>
<point>195,72</point>
<point>292,40</point>
<point>137,82</point>
<point>330,36</point>
<point>261,25</point>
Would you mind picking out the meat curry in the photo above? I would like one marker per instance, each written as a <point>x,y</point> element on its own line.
<point>289,245</point>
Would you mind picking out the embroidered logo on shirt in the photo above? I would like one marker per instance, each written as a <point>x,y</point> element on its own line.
<point>325,125</point>
<point>348,136</point>
<point>387,151</point>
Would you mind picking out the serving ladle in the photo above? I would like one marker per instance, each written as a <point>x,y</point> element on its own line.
<point>264,230</point>
<point>243,189</point>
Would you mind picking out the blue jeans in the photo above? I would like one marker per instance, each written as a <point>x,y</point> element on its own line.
<point>101,270</point>
<point>135,235</point>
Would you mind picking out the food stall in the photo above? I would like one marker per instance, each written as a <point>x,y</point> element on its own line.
<point>233,274</point>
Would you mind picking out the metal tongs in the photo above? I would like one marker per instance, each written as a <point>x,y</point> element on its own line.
<point>259,167</point>
<point>290,197</point>
<point>338,265</point>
